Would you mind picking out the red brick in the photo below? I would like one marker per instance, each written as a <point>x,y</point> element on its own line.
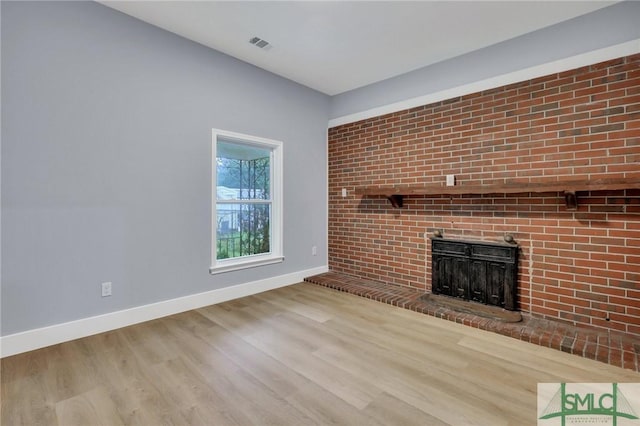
<point>584,125</point>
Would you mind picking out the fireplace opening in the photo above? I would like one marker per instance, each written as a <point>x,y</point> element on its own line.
<point>475,271</point>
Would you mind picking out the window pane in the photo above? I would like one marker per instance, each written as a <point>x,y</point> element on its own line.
<point>242,230</point>
<point>247,202</point>
<point>243,171</point>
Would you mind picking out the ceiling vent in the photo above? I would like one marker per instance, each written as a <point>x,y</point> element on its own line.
<point>262,44</point>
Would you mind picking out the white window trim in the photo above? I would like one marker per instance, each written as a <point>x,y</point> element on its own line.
<point>276,225</point>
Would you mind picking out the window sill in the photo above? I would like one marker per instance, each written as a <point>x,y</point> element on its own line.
<point>236,266</point>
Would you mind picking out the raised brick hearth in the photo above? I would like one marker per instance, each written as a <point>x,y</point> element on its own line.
<point>619,349</point>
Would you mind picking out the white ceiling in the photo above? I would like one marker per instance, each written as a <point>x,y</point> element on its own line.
<point>336,46</point>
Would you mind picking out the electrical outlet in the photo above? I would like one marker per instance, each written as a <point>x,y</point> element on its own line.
<point>106,289</point>
<point>451,180</point>
<point>314,251</point>
<point>344,192</point>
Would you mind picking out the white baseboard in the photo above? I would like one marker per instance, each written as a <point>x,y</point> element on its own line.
<point>46,336</point>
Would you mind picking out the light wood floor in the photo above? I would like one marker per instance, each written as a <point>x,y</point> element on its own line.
<point>299,355</point>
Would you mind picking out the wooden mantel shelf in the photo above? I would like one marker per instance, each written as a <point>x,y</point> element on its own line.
<point>569,188</point>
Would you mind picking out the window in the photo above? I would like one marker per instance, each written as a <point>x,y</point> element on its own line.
<point>247,201</point>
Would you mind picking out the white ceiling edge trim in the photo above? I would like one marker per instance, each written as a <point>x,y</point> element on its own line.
<point>561,65</point>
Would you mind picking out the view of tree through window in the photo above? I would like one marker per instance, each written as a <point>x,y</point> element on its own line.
<point>243,203</point>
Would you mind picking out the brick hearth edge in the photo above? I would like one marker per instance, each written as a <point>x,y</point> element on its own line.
<point>618,349</point>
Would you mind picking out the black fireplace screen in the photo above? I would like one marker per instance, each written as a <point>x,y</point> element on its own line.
<point>477,271</point>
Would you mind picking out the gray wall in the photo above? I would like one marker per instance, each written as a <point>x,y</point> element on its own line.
<point>106,161</point>
<point>603,28</point>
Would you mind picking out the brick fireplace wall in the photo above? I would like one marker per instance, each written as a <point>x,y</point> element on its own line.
<point>581,267</point>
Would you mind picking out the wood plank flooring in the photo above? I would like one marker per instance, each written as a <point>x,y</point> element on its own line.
<point>299,355</point>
